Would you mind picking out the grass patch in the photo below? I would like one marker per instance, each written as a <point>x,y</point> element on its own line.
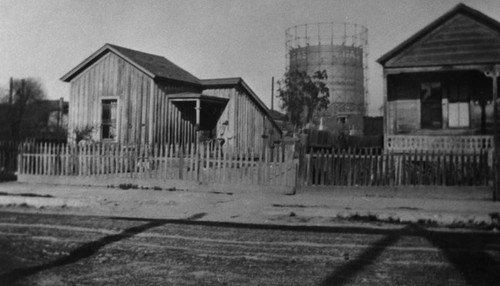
<point>26,195</point>
<point>6,177</point>
<point>128,186</point>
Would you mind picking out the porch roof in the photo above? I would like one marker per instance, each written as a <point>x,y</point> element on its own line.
<point>189,96</point>
<point>233,82</point>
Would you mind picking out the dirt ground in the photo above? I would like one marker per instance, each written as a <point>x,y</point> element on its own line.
<point>43,249</point>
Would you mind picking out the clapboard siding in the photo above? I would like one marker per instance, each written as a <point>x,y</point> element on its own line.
<point>460,40</point>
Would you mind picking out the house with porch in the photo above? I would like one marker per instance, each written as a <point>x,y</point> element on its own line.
<point>440,84</point>
<point>131,97</point>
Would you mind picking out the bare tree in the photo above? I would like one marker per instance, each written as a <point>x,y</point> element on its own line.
<point>23,92</point>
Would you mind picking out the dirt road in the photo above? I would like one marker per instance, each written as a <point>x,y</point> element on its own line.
<point>38,249</point>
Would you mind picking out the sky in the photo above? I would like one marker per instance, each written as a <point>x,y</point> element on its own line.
<point>209,38</point>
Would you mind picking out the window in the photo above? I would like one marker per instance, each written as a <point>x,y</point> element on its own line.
<point>342,119</point>
<point>458,114</point>
<point>458,107</point>
<point>108,119</point>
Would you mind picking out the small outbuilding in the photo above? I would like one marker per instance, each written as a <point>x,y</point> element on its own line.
<point>438,83</point>
<point>131,97</point>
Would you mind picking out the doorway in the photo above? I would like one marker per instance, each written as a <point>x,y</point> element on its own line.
<point>431,112</point>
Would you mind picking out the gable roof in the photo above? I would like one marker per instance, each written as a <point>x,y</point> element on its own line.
<point>156,67</point>
<point>460,9</point>
<point>235,82</point>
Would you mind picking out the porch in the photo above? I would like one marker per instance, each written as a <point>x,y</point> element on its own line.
<point>195,117</point>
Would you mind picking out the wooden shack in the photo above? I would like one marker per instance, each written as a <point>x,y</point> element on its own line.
<point>131,97</point>
<point>438,83</point>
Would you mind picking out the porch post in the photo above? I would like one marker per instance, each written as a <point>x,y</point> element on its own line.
<point>493,73</point>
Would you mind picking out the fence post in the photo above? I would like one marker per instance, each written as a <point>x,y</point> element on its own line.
<point>19,158</point>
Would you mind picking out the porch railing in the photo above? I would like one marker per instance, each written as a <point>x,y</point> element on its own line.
<point>459,144</point>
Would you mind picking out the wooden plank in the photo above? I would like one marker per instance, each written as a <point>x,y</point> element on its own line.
<point>390,169</point>
<point>378,167</point>
<point>265,173</point>
<point>320,169</point>
<point>37,153</point>
<point>340,165</point>
<point>81,159</point>
<point>350,170</point>
<point>67,158</point>
<point>48,170</point>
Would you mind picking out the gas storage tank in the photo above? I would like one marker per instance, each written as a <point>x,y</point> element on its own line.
<point>340,50</point>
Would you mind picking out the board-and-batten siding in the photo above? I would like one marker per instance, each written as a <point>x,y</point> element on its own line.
<point>246,122</point>
<point>169,125</point>
<point>146,115</point>
<point>111,78</point>
<point>143,108</point>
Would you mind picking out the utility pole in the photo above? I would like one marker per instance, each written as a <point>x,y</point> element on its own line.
<point>272,93</point>
<point>11,86</point>
<point>494,73</point>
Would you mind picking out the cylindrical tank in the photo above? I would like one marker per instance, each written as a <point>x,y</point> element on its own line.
<point>340,50</point>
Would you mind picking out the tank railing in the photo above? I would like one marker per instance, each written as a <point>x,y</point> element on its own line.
<point>326,33</point>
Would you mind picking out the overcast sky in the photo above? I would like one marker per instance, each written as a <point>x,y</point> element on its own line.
<point>210,38</point>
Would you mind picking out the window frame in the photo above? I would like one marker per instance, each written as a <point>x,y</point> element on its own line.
<point>101,123</point>
<point>457,115</point>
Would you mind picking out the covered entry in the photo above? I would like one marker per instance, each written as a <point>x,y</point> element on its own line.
<point>440,103</point>
<point>194,117</point>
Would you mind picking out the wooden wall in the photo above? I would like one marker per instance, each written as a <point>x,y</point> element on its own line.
<point>147,115</point>
<point>461,39</point>
<point>111,78</point>
<point>168,124</point>
<point>143,108</point>
<point>246,122</point>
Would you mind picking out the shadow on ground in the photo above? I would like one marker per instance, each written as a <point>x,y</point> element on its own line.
<point>85,251</point>
<point>466,251</point>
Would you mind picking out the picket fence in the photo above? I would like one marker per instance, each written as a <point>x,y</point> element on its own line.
<point>204,163</point>
<point>374,167</point>
<point>278,166</point>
